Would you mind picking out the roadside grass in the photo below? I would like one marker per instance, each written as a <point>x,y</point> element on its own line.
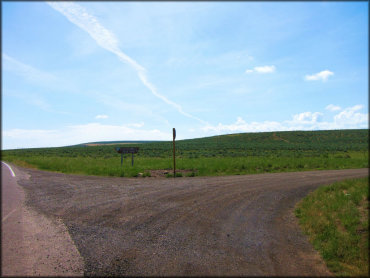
<point>23,163</point>
<point>336,220</point>
<point>204,166</point>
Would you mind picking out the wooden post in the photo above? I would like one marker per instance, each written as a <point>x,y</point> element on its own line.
<point>174,160</point>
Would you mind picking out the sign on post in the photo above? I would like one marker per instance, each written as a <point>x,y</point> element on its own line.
<point>174,160</point>
<point>124,150</point>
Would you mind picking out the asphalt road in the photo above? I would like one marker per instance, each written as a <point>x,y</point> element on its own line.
<point>31,244</point>
<point>234,225</point>
<point>11,214</point>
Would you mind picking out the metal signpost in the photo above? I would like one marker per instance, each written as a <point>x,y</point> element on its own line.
<point>174,161</point>
<point>130,150</point>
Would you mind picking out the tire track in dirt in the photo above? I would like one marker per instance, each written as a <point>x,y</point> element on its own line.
<point>234,225</point>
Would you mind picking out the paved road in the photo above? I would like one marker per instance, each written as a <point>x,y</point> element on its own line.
<point>12,232</point>
<point>31,244</point>
<point>234,225</point>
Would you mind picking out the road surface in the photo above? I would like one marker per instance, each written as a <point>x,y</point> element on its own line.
<point>233,225</point>
<point>31,244</point>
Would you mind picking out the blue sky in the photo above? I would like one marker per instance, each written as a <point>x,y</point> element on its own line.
<point>75,72</point>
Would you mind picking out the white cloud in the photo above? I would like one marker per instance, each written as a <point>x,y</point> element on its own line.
<point>322,75</point>
<point>131,108</point>
<point>107,40</point>
<point>138,125</point>
<point>33,99</point>
<point>75,134</point>
<point>26,71</point>
<point>307,118</point>
<point>101,117</point>
<point>242,126</point>
<point>332,107</point>
<point>347,119</point>
<point>262,69</point>
<point>265,69</point>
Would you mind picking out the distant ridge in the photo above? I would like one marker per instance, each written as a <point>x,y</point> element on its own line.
<point>340,136</point>
<point>113,143</point>
<point>321,141</point>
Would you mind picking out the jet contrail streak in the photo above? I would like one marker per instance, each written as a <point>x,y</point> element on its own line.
<point>79,16</point>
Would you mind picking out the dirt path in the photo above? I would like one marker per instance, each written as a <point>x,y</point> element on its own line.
<point>279,138</point>
<point>234,225</point>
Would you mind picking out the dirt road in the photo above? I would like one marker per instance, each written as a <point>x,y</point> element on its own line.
<point>234,225</point>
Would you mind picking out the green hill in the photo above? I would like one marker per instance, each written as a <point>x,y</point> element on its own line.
<point>217,155</point>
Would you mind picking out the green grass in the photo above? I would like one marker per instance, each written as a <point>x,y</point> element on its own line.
<point>335,218</point>
<point>205,166</point>
<point>235,154</point>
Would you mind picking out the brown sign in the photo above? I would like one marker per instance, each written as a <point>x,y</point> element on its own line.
<point>127,149</point>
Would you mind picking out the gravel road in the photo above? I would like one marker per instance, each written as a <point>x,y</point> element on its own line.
<point>233,225</point>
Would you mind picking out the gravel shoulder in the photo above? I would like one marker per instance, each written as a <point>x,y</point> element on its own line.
<point>233,225</point>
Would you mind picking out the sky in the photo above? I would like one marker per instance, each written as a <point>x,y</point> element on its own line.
<point>77,72</point>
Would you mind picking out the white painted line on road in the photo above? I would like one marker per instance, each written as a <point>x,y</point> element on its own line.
<point>8,215</point>
<point>9,168</point>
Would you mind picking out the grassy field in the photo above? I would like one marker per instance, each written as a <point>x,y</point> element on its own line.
<point>335,218</point>
<point>233,154</point>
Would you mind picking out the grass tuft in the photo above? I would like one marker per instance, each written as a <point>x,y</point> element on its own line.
<point>335,218</point>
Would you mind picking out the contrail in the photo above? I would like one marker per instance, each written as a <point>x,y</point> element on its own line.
<point>79,16</point>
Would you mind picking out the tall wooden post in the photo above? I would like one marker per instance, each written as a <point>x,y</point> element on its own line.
<point>174,160</point>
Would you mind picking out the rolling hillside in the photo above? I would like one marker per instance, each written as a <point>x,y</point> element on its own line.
<point>217,155</point>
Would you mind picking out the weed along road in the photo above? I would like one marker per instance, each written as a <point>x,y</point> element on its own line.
<point>231,225</point>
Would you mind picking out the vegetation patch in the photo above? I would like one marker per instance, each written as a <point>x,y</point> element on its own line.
<point>335,218</point>
<point>235,154</point>
<point>24,164</point>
